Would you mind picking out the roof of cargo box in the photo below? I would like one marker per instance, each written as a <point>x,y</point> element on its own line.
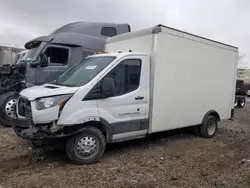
<point>157,29</point>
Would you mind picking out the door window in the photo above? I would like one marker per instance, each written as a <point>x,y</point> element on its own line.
<point>126,76</point>
<point>58,56</point>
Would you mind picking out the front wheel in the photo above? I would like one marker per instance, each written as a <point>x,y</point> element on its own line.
<point>8,108</point>
<point>86,147</point>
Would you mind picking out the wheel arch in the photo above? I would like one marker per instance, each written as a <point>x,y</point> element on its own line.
<point>211,113</point>
<point>6,95</point>
<point>102,125</point>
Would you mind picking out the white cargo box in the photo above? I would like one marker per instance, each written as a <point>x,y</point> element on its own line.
<point>190,75</point>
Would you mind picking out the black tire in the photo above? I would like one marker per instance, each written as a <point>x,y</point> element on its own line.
<point>204,128</point>
<point>4,99</point>
<point>72,146</point>
<point>241,102</point>
<point>236,103</point>
<point>1,122</point>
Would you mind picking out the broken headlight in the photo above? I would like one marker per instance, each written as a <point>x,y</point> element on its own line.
<point>49,102</point>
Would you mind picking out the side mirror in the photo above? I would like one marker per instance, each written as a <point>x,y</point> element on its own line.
<point>108,87</point>
<point>43,60</point>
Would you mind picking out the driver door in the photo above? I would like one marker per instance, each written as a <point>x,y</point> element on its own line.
<point>127,111</point>
<point>59,58</point>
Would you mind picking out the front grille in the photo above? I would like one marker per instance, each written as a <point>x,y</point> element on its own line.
<point>24,107</point>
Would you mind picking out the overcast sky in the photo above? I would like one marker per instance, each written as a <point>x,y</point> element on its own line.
<point>223,20</point>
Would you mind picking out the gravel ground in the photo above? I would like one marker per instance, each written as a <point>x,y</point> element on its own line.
<point>172,159</point>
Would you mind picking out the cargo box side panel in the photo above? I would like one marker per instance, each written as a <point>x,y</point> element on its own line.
<point>191,78</point>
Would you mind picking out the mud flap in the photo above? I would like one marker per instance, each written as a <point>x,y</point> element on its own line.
<point>232,114</point>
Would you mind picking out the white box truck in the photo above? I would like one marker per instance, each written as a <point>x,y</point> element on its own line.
<point>154,80</point>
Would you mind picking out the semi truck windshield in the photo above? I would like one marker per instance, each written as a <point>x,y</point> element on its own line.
<point>30,54</point>
<point>84,71</point>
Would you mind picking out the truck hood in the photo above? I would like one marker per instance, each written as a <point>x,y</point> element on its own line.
<point>46,90</point>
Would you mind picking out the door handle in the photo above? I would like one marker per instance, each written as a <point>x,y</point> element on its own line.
<point>139,98</point>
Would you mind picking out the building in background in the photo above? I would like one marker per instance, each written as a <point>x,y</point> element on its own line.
<point>8,54</point>
<point>244,75</point>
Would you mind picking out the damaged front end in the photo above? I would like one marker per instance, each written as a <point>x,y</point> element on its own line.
<point>26,129</point>
<point>34,123</point>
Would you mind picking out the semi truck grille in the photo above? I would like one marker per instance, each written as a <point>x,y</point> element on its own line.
<point>24,108</point>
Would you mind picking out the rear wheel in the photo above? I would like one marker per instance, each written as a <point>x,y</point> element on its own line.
<point>235,103</point>
<point>8,108</point>
<point>241,102</point>
<point>86,147</point>
<point>209,127</point>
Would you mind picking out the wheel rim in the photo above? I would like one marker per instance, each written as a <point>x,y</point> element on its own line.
<point>86,147</point>
<point>211,127</point>
<point>242,103</point>
<point>235,103</point>
<point>10,108</point>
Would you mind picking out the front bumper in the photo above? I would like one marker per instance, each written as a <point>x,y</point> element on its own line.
<point>24,128</point>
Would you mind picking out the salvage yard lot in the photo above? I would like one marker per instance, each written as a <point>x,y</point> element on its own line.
<point>171,159</point>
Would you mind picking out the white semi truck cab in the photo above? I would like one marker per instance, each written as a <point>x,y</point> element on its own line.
<point>138,90</point>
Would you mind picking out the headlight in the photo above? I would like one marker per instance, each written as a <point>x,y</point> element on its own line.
<point>49,102</point>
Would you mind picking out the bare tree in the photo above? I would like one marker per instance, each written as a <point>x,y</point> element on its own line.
<point>241,66</point>
<point>241,63</point>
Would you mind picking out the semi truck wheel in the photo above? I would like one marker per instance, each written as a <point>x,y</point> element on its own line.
<point>241,102</point>
<point>209,127</point>
<point>8,108</point>
<point>1,122</point>
<point>235,103</point>
<point>86,147</point>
